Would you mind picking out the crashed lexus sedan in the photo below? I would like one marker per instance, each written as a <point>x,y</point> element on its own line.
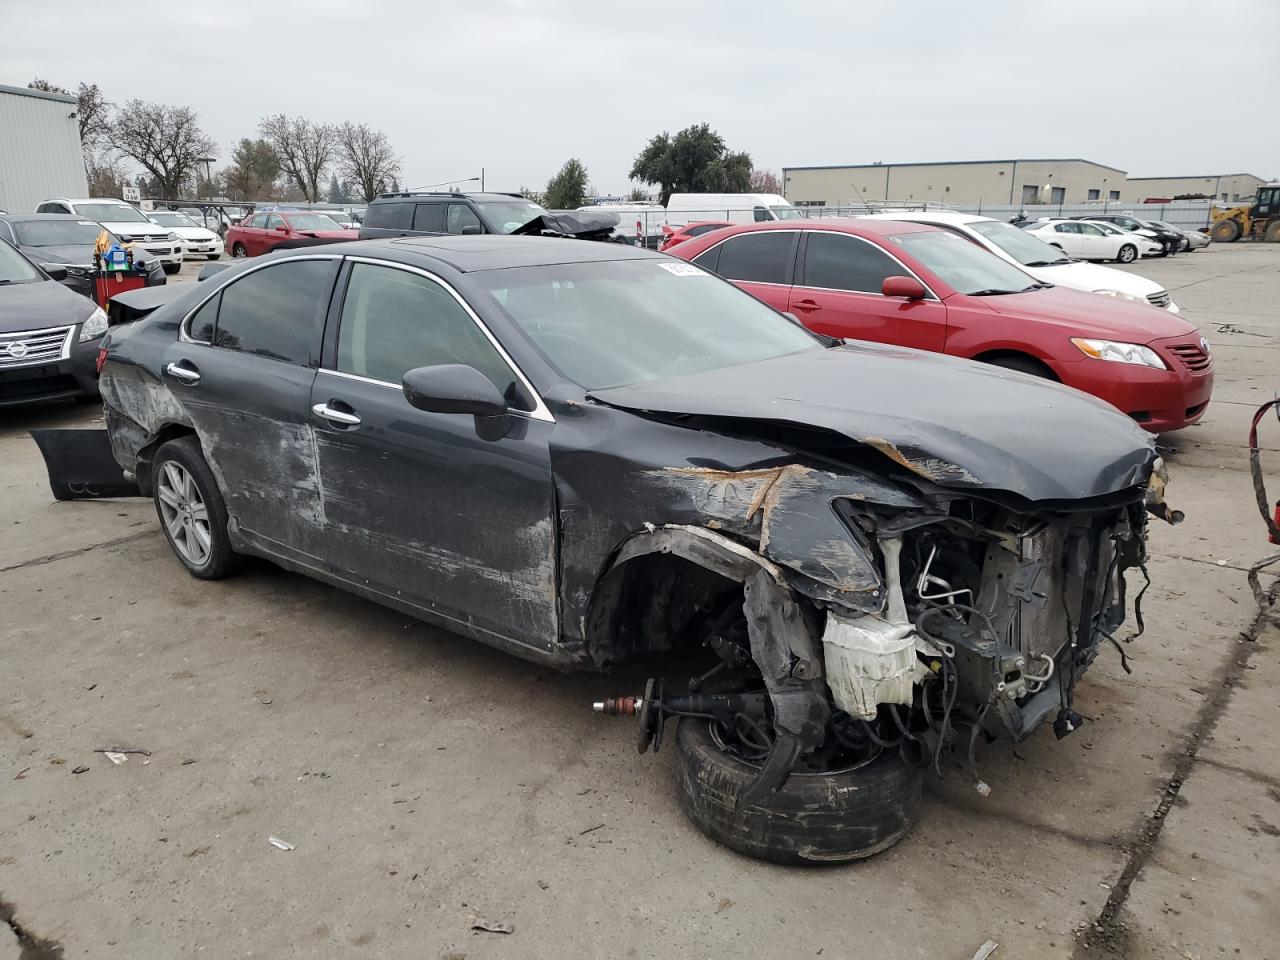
<point>850,559</point>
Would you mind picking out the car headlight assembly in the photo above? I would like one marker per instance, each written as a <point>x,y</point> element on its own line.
<point>1120,294</point>
<point>95,326</point>
<point>173,237</point>
<point>72,269</point>
<point>1134,353</point>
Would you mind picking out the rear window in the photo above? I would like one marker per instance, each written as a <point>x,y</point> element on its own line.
<point>763,257</point>
<point>275,312</point>
<point>429,217</point>
<point>386,215</point>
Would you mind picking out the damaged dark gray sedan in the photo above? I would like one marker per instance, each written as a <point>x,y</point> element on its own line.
<point>848,560</point>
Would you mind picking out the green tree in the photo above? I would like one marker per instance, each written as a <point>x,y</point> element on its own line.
<point>638,195</point>
<point>569,188</point>
<point>695,160</point>
<point>335,189</point>
<point>254,170</point>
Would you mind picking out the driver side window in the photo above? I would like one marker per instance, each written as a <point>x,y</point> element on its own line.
<point>460,215</point>
<point>394,320</point>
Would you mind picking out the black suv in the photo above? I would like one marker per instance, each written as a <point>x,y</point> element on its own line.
<point>1171,242</point>
<point>412,214</point>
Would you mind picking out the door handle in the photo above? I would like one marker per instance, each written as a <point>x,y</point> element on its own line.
<point>806,306</point>
<point>184,372</point>
<point>335,416</point>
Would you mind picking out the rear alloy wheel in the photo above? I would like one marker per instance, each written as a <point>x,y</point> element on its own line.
<point>816,818</point>
<point>191,510</point>
<point>1273,231</point>
<point>1128,253</point>
<point>238,251</point>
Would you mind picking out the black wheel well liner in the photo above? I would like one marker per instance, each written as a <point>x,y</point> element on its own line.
<point>1006,353</point>
<point>170,431</point>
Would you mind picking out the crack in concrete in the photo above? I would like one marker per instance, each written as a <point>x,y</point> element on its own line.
<point>1109,936</point>
<point>30,946</point>
<point>65,554</point>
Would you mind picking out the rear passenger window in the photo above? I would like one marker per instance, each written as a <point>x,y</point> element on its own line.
<point>203,321</point>
<point>763,257</point>
<point>429,217</point>
<point>387,215</point>
<point>277,311</point>
<point>836,262</point>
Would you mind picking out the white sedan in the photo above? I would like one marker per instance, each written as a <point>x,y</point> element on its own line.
<point>1089,241</point>
<point>196,240</point>
<point>1147,242</point>
<point>1043,262</point>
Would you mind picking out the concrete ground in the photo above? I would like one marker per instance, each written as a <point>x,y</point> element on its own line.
<point>425,781</point>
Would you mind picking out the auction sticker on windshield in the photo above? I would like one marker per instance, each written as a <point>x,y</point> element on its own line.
<point>684,269</point>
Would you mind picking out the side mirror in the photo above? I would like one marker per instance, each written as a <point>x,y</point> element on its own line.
<point>908,288</point>
<point>471,230</point>
<point>55,273</point>
<point>282,229</point>
<point>453,388</point>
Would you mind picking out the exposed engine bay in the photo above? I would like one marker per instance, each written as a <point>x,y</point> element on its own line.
<point>989,618</point>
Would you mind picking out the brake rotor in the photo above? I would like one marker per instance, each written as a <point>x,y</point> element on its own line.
<point>650,732</point>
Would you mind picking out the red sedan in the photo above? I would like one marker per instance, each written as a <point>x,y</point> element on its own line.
<point>673,236</point>
<point>924,287</point>
<point>262,232</point>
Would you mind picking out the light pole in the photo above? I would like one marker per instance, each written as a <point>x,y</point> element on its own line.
<point>208,177</point>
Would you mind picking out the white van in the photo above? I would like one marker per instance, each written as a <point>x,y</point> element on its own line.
<point>686,208</point>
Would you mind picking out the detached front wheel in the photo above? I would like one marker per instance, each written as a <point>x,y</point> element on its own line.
<point>816,818</point>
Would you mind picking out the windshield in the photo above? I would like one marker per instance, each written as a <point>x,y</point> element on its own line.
<point>508,216</point>
<point>115,212</point>
<point>313,221</point>
<point>14,267</point>
<point>787,213</point>
<point>620,322</point>
<point>57,233</point>
<point>170,219</point>
<point>1027,250</point>
<point>1107,228</point>
<point>966,267</point>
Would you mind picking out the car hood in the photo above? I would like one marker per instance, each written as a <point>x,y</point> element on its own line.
<point>195,233</point>
<point>129,228</point>
<point>75,254</point>
<point>1088,315</point>
<point>72,254</point>
<point>1077,275</point>
<point>36,306</point>
<point>955,422</point>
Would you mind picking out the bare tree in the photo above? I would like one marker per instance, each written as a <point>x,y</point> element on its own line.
<point>765,181</point>
<point>166,141</point>
<point>365,158</point>
<point>305,149</point>
<point>106,174</point>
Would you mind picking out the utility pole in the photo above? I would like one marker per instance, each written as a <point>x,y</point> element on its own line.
<point>482,179</point>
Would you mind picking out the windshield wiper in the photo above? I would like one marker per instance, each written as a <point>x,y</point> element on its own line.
<point>993,292</point>
<point>1046,263</point>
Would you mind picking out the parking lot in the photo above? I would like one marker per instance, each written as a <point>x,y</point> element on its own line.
<point>425,781</point>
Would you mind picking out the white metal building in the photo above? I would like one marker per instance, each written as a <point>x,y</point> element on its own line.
<point>40,154</point>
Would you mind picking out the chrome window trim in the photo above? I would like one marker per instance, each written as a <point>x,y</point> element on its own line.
<point>185,337</point>
<point>539,412</point>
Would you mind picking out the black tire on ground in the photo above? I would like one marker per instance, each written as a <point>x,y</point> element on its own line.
<point>1272,234</point>
<point>1127,254</point>
<point>1225,231</point>
<point>172,268</point>
<point>238,251</point>
<point>814,819</point>
<point>1023,364</point>
<point>222,561</point>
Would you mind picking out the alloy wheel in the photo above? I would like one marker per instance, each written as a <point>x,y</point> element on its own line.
<point>183,511</point>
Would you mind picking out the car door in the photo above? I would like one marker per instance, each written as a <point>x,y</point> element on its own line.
<point>1067,236</point>
<point>254,234</point>
<point>761,263</point>
<point>277,231</point>
<point>837,292</point>
<point>1095,244</point>
<point>428,218</point>
<point>444,512</point>
<point>243,369</point>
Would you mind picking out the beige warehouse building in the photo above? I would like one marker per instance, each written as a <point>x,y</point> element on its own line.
<point>996,182</point>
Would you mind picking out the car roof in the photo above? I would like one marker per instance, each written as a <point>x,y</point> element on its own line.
<point>928,216</point>
<point>443,195</point>
<point>498,252</point>
<point>854,225</point>
<point>24,217</point>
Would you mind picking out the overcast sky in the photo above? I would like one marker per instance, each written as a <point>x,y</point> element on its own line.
<point>1154,87</point>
